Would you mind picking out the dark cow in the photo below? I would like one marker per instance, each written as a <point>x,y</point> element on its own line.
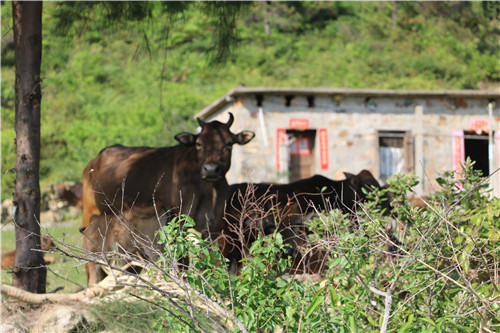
<point>292,203</point>
<point>125,234</point>
<point>188,178</point>
<point>321,193</point>
<point>72,194</point>
<point>248,213</point>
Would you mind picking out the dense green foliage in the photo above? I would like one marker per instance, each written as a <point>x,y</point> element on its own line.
<point>443,277</point>
<point>139,80</point>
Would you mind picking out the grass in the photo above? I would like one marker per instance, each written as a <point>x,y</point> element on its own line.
<point>118,314</point>
<point>63,272</point>
<point>127,316</point>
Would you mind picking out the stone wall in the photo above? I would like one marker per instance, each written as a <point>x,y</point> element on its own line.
<point>352,124</point>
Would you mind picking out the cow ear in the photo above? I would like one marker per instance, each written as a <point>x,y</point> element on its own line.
<point>349,175</point>
<point>186,138</point>
<point>354,181</point>
<point>244,137</point>
<point>367,179</point>
<point>365,174</point>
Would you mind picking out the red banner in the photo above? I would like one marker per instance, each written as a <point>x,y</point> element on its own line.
<point>479,125</point>
<point>297,123</point>
<point>458,152</point>
<point>498,157</point>
<point>323,148</point>
<point>280,139</point>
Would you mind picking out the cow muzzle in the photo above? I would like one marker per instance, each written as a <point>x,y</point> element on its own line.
<point>212,172</point>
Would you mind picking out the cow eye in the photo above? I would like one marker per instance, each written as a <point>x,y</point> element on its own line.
<point>228,145</point>
<point>198,145</point>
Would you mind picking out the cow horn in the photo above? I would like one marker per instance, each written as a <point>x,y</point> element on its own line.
<point>201,122</point>
<point>230,121</point>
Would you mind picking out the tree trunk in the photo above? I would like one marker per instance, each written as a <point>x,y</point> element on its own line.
<point>266,18</point>
<point>29,271</point>
<point>395,7</point>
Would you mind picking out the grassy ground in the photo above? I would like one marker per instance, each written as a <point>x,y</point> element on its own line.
<point>128,316</point>
<point>63,272</point>
<point>120,313</point>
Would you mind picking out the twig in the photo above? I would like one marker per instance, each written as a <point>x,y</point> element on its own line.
<point>386,295</point>
<point>64,278</point>
<point>166,309</point>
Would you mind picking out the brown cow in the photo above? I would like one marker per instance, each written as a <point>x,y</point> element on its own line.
<point>420,202</point>
<point>397,228</point>
<point>8,258</point>
<point>188,178</point>
<point>125,234</point>
<point>72,194</point>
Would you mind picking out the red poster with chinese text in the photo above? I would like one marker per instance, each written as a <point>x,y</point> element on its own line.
<point>298,123</point>
<point>280,139</point>
<point>323,148</point>
<point>458,147</point>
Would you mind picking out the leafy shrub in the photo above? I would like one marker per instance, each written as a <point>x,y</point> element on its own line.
<point>437,274</point>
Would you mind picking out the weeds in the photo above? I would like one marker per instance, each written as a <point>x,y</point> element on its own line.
<point>439,272</point>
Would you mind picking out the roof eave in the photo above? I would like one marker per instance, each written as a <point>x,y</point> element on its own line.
<point>242,91</point>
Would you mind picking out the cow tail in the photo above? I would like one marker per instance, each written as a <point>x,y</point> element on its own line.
<point>89,203</point>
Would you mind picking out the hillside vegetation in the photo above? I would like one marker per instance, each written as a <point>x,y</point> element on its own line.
<point>140,83</point>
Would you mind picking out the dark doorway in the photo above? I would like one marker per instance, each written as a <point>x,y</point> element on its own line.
<point>301,145</point>
<point>476,147</point>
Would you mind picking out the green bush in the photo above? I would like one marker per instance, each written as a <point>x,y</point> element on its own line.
<point>438,274</point>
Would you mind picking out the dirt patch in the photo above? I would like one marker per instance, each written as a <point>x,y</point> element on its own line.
<point>21,317</point>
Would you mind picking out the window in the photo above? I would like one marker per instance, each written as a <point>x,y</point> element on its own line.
<point>300,146</point>
<point>395,153</point>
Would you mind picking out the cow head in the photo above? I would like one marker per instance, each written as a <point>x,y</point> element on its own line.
<point>214,145</point>
<point>366,180</point>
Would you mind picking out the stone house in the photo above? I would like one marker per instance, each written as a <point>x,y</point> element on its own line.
<point>305,131</point>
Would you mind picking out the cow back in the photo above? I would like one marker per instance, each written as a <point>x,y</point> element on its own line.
<point>188,178</point>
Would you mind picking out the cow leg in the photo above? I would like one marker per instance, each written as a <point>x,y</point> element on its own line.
<point>89,204</point>
<point>93,241</point>
<point>233,267</point>
<point>94,273</point>
<point>183,263</point>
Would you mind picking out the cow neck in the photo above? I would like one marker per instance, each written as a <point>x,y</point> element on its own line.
<point>211,209</point>
<point>217,191</point>
<point>213,194</point>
